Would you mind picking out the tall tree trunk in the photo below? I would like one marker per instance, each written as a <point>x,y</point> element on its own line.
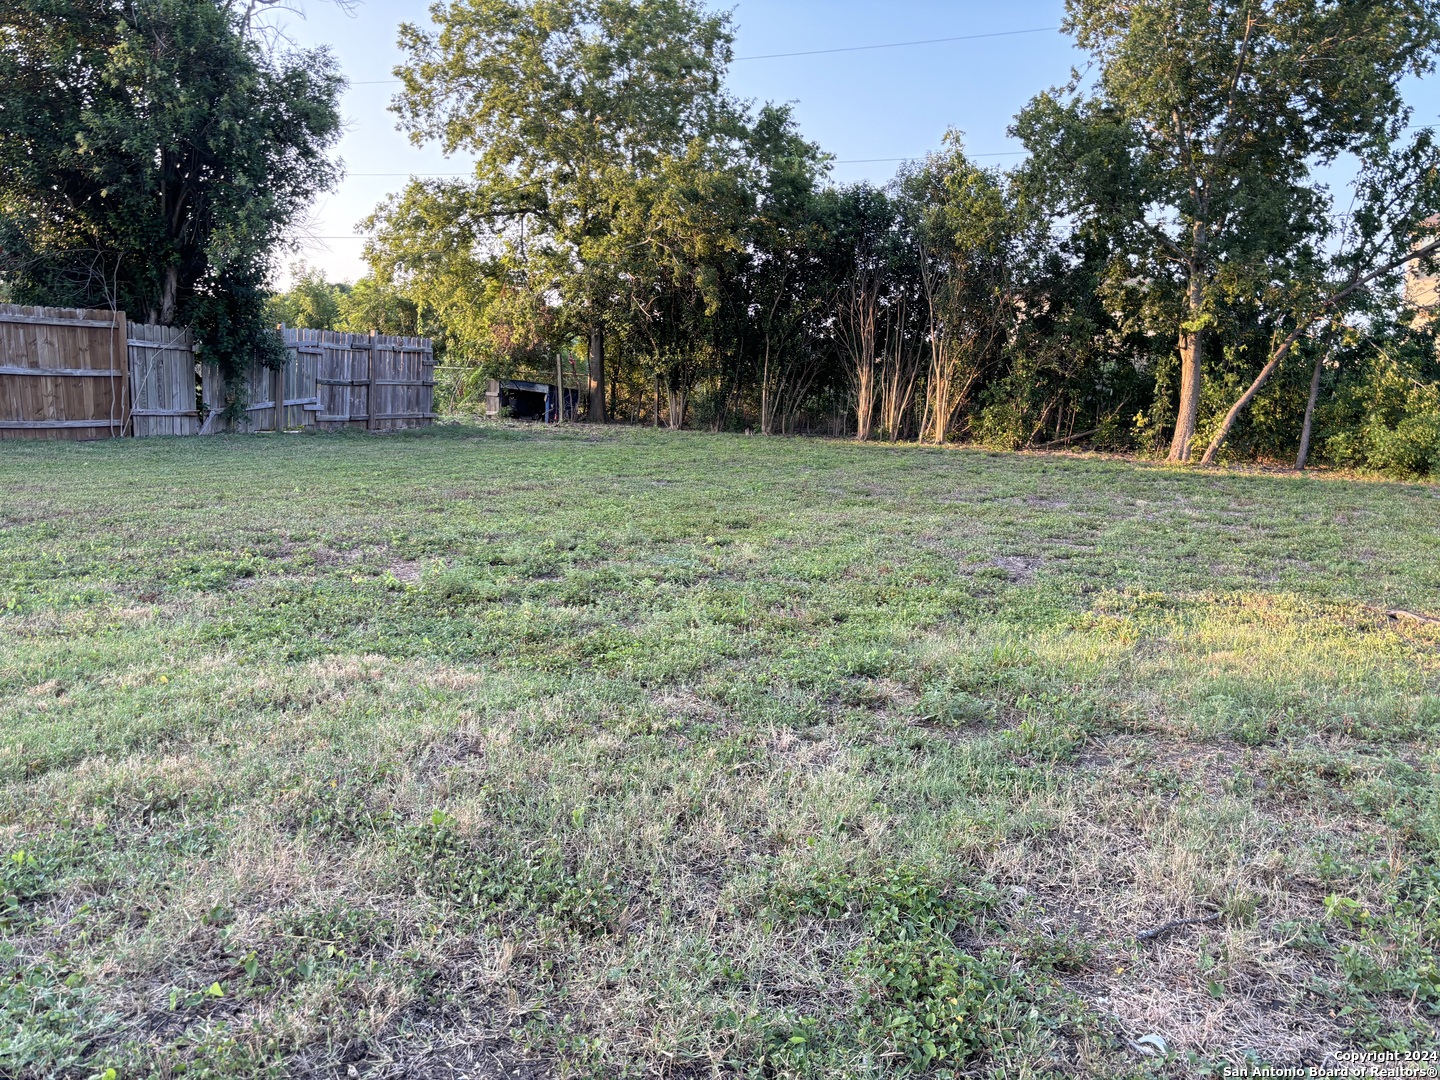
<point>766,423</point>
<point>559,389</point>
<point>1190,366</point>
<point>675,408</point>
<point>865,400</point>
<point>170,298</point>
<point>942,385</point>
<point>1304,454</point>
<point>596,414</point>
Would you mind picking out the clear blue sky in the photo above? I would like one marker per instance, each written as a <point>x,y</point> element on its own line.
<point>882,103</point>
<point>890,103</point>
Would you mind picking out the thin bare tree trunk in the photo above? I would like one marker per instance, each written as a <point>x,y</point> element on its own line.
<point>859,315</point>
<point>897,382</point>
<point>766,421</point>
<point>1304,454</point>
<point>942,374</point>
<point>1249,395</point>
<point>865,401</point>
<point>596,414</point>
<point>560,391</point>
<point>939,396</point>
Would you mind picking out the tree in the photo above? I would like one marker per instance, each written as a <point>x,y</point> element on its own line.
<point>154,159</point>
<point>1198,142</point>
<point>963,229</point>
<point>373,305</point>
<point>311,302</point>
<point>1396,195</point>
<point>862,223</point>
<point>570,106</point>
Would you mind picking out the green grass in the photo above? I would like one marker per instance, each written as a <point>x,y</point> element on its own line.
<point>646,754</point>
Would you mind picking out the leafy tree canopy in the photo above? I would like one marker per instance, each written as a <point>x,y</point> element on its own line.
<point>154,158</point>
<point>1197,143</point>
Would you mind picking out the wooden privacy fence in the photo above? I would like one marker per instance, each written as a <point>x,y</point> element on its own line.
<point>73,374</point>
<point>64,373</point>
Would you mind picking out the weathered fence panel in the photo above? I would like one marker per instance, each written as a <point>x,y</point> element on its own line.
<point>370,381</point>
<point>342,374</point>
<point>260,388</point>
<point>63,373</point>
<point>163,390</point>
<point>402,387</point>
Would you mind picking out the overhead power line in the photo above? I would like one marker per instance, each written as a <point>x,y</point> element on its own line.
<point>840,49</point>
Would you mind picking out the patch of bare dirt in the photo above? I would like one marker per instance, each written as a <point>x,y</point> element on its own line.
<point>1020,569</point>
<point>406,570</point>
<point>1044,502</point>
<point>325,556</point>
<point>414,1059</point>
<point>802,753</point>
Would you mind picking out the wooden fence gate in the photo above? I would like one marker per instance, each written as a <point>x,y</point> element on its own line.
<point>337,380</point>
<point>64,373</point>
<point>370,381</point>
<point>162,381</point>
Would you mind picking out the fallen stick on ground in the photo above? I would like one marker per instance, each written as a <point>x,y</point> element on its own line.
<point>1067,439</point>
<point>1176,924</point>
<point>1401,613</point>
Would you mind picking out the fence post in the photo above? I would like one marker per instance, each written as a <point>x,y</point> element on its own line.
<point>371,404</point>
<point>280,398</point>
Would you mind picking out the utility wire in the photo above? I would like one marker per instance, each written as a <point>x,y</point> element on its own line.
<point>827,52</point>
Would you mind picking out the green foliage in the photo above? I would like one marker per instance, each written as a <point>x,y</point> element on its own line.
<point>369,305</point>
<point>1169,235</point>
<point>154,157</point>
<point>311,302</point>
<point>1387,410</point>
<point>23,878</point>
<point>590,121</point>
<point>1192,159</point>
<point>926,1000</point>
<point>47,1018</point>
<point>935,1005</point>
<point>533,884</point>
<point>1394,949</point>
<point>373,304</point>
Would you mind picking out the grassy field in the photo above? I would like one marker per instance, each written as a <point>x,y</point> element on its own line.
<point>486,752</point>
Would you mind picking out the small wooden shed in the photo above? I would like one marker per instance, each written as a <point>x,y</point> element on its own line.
<point>521,400</point>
